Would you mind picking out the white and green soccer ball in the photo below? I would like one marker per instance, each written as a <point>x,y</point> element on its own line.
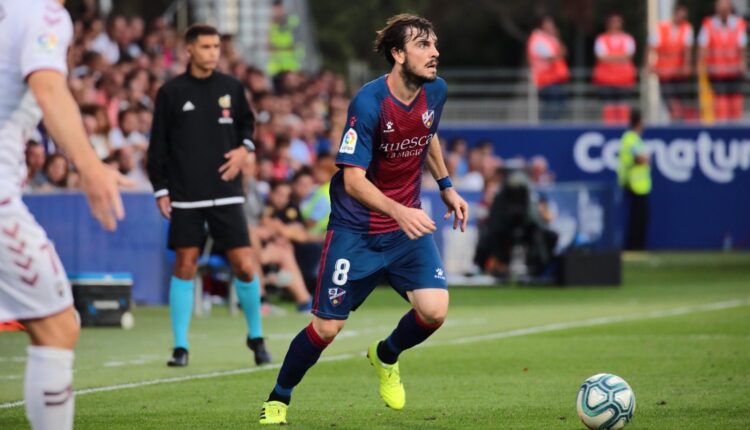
<point>605,402</point>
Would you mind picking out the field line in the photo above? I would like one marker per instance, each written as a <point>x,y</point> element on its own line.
<point>546,328</point>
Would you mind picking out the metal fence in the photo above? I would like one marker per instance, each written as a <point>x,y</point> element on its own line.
<point>506,95</point>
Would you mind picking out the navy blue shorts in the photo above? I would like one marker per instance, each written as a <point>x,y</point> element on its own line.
<point>353,264</point>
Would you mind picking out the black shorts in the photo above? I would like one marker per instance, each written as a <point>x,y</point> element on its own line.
<point>726,86</point>
<point>226,225</point>
<point>677,89</point>
<point>615,94</point>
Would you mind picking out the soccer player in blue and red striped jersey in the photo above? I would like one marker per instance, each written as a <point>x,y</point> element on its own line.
<point>377,230</point>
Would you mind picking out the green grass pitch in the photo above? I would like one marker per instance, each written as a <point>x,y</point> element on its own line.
<point>678,331</point>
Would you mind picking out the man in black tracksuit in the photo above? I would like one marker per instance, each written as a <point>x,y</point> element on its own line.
<point>201,136</point>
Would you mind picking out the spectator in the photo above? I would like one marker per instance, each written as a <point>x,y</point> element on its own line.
<point>722,42</point>
<point>671,52</point>
<point>539,171</point>
<point>97,133</point>
<point>614,72</point>
<point>135,34</point>
<point>56,170</point>
<point>282,163</point>
<point>473,180</point>
<point>106,43</point>
<point>456,161</point>
<point>549,71</point>
<point>132,166</point>
<point>265,175</point>
<point>278,251</point>
<point>35,162</point>
<point>127,133</point>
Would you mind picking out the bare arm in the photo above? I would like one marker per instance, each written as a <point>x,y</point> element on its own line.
<point>453,201</point>
<point>63,120</point>
<point>435,161</point>
<point>413,221</point>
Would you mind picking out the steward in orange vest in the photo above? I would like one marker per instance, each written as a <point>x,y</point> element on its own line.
<point>722,42</point>
<point>549,70</point>
<point>671,60</point>
<point>614,71</point>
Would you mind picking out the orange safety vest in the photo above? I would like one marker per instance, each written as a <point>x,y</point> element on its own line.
<point>543,71</point>
<point>723,59</point>
<point>671,50</point>
<point>614,74</point>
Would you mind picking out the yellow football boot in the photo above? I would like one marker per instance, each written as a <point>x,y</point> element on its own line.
<point>273,412</point>
<point>391,388</point>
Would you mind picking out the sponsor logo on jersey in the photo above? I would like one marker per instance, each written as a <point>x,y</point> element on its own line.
<point>439,274</point>
<point>188,106</point>
<point>428,117</point>
<point>225,101</point>
<point>352,121</point>
<point>406,148</point>
<point>349,142</point>
<point>47,42</point>
<point>336,295</point>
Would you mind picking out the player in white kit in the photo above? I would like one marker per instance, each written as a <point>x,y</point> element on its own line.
<point>34,289</point>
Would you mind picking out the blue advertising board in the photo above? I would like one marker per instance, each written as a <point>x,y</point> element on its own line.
<point>701,174</point>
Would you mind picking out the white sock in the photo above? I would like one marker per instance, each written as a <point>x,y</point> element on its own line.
<point>48,388</point>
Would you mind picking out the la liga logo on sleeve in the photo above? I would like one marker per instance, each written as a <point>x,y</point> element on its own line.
<point>349,142</point>
<point>47,42</point>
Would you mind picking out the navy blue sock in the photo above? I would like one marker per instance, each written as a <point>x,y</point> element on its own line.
<point>411,331</point>
<point>303,353</point>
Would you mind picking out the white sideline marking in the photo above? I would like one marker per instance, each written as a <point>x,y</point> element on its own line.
<point>682,310</point>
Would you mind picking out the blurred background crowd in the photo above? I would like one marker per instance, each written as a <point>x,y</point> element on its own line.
<point>559,72</point>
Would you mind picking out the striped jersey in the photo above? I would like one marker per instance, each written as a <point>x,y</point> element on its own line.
<point>389,140</point>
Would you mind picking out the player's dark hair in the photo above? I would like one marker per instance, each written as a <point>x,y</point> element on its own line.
<point>395,32</point>
<point>635,118</point>
<point>197,30</point>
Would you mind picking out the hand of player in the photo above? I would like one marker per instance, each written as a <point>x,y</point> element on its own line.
<point>235,160</point>
<point>164,203</point>
<point>457,206</point>
<point>99,183</point>
<point>414,222</point>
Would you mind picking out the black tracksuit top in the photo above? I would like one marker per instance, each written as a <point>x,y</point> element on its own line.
<point>196,121</point>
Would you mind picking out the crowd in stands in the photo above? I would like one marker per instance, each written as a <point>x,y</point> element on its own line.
<point>116,68</point>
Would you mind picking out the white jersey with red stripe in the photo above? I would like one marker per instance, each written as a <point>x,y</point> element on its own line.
<point>34,35</point>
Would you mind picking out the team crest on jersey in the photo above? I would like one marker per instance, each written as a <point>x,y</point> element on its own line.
<point>349,142</point>
<point>336,295</point>
<point>225,101</point>
<point>428,117</point>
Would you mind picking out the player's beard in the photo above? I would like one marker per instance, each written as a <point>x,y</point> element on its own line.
<point>412,78</point>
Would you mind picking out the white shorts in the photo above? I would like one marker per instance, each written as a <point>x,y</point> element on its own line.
<point>33,283</point>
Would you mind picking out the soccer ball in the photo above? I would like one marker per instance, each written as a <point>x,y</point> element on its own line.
<point>605,402</point>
